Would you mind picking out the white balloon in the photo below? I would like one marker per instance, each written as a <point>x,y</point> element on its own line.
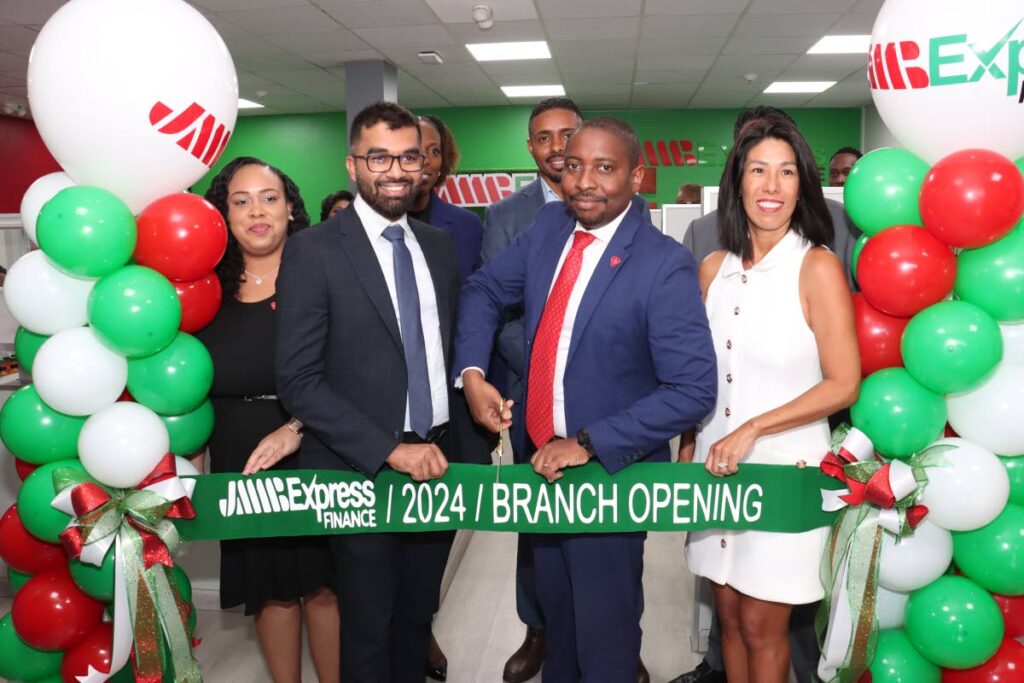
<point>991,414</point>
<point>120,445</point>
<point>945,78</point>
<point>891,608</point>
<point>1013,343</point>
<point>184,467</point>
<point>916,560</point>
<point>139,98</point>
<point>37,194</point>
<point>970,492</point>
<point>76,374</point>
<point>43,299</point>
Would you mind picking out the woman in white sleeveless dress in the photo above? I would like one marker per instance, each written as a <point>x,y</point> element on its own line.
<point>782,322</point>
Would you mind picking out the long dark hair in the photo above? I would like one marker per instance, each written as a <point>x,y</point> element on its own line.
<point>231,269</point>
<point>811,219</point>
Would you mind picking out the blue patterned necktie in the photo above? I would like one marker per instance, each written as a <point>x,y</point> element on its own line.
<point>421,411</point>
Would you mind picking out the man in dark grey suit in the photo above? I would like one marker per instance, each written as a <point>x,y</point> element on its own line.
<point>366,307</point>
<point>702,239</point>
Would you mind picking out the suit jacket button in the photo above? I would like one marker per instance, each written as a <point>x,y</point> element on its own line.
<point>398,435</point>
<point>728,412</point>
<point>724,543</point>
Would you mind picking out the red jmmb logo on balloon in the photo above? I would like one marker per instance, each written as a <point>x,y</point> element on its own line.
<point>198,130</point>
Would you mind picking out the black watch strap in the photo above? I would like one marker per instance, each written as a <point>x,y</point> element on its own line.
<point>583,439</point>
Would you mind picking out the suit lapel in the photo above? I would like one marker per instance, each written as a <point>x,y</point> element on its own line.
<point>364,262</point>
<point>433,252</point>
<point>612,262</point>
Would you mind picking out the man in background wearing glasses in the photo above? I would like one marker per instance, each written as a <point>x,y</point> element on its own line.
<point>365,306</point>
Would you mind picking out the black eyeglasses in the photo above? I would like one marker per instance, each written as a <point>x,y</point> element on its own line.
<point>382,163</point>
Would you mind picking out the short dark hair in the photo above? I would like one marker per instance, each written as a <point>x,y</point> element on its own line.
<point>394,115</point>
<point>231,268</point>
<point>846,150</point>
<point>549,103</point>
<point>621,130</point>
<point>449,150</point>
<point>330,200</point>
<point>761,112</point>
<point>811,219</point>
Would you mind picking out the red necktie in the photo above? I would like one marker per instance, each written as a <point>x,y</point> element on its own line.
<point>540,395</point>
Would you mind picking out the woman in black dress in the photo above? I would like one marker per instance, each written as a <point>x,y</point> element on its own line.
<point>279,580</point>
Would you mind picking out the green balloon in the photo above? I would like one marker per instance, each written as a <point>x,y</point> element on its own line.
<point>951,346</point>
<point>896,661</point>
<point>17,579</point>
<point>855,254</point>
<point>86,231</point>
<point>881,190</point>
<point>899,415</point>
<point>41,519</point>
<point>173,381</point>
<point>26,345</point>
<point>992,277</point>
<point>35,432</point>
<point>95,581</point>
<point>22,662</point>
<point>1015,468</point>
<point>191,431</point>
<point>993,556</point>
<point>954,622</point>
<point>135,311</point>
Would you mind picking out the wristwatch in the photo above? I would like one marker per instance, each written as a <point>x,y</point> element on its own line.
<point>295,425</point>
<point>583,439</point>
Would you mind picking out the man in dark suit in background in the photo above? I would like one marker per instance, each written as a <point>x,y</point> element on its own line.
<point>620,356</point>
<point>366,307</point>
<point>702,240</point>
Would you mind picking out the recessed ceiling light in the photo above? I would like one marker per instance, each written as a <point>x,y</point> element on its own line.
<point>248,104</point>
<point>533,90</point>
<point>798,87</point>
<point>495,52</point>
<point>841,45</point>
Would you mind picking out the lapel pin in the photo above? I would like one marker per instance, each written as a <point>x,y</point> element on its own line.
<point>616,261</point>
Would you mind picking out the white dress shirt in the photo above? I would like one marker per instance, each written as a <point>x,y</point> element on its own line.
<point>592,256</point>
<point>374,225</point>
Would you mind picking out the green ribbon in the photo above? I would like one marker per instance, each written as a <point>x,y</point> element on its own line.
<point>642,497</point>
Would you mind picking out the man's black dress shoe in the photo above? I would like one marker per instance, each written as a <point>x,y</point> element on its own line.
<point>702,674</point>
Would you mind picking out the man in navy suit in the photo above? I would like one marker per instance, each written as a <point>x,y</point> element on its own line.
<point>619,361</point>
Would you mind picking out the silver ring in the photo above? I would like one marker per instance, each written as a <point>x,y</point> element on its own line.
<point>723,465</point>
<point>546,466</point>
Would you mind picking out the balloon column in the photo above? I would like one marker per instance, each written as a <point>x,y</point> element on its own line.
<point>124,274</point>
<point>940,321</point>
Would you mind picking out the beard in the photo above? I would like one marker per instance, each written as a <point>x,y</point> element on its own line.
<point>391,208</point>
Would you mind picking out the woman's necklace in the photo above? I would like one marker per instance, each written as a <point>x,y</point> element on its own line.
<point>258,279</point>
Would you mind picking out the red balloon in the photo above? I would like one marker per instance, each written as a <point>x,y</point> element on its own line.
<point>905,269</point>
<point>24,552</point>
<point>51,613</point>
<point>200,301</point>
<point>1005,666</point>
<point>1012,607</point>
<point>126,397</point>
<point>878,336</point>
<point>972,198</point>
<point>94,650</point>
<point>182,236</point>
<point>949,431</point>
<point>23,468</point>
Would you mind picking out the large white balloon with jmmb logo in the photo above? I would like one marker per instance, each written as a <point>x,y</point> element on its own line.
<point>136,96</point>
<point>948,75</point>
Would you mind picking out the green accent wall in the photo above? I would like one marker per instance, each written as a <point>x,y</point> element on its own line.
<point>311,147</point>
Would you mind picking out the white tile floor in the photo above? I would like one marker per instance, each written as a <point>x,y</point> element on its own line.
<point>477,625</point>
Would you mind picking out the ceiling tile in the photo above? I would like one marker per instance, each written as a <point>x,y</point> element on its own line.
<point>424,99</point>
<point>661,98</point>
<point>295,103</point>
<point>693,45</point>
<point>380,13</point>
<point>454,11</point>
<point>677,7</point>
<point>249,84</point>
<point>768,45</point>
<point>598,28</point>
<point>258,63</point>
<point>465,71</point>
<point>334,58</point>
<point>675,28</point>
<point>11,62</point>
<point>773,6</point>
<point>737,65</point>
<point>17,38</point>
<point>484,99</point>
<point>262,22</point>
<point>19,90</point>
<point>783,101</point>
<point>868,6</point>
<point>229,5</point>
<point>318,41</point>
<point>854,23</point>
<point>504,32</point>
<point>684,63</point>
<point>407,38</point>
<point>538,68</point>
<point>252,46</point>
<point>693,76</point>
<point>305,81</point>
<point>552,9</point>
<point>570,51</point>
<point>785,24</point>
<point>824,67</point>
